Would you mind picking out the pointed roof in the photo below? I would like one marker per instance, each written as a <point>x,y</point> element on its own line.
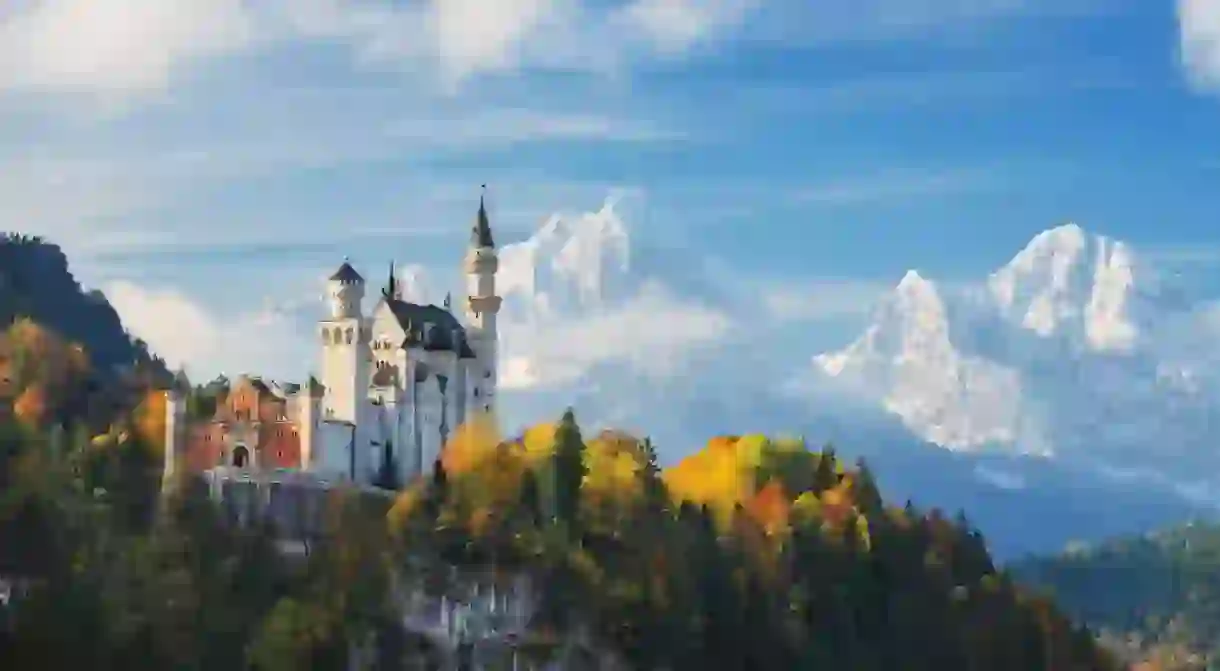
<point>347,274</point>
<point>391,286</point>
<point>480,235</point>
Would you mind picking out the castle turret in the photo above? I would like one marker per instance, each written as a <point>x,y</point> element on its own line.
<point>175,431</point>
<point>482,306</point>
<point>344,338</point>
<point>308,400</point>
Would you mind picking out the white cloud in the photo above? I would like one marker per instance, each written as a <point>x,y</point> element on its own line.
<point>185,333</point>
<point>137,46</point>
<point>650,333</point>
<point>677,25</point>
<point>1199,25</point>
<point>473,35</point>
<point>468,37</point>
<point>112,46</point>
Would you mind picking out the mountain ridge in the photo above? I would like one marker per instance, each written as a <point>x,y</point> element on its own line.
<point>1068,312</point>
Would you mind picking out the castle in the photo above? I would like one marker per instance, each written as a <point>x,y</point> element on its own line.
<point>393,385</point>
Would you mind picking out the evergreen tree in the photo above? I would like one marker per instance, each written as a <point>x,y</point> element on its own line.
<point>825,475</point>
<point>865,491</point>
<point>569,469</point>
<point>531,503</point>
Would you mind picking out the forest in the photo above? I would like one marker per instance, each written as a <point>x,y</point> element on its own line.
<point>1154,597</point>
<point>751,553</point>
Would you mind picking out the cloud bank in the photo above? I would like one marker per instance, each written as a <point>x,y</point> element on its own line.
<point>177,327</point>
<point>112,47</point>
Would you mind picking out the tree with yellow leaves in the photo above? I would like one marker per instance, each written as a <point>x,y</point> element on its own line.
<point>149,420</point>
<point>716,477</point>
<point>613,483</point>
<point>472,444</point>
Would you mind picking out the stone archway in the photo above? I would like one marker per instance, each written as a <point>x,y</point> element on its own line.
<point>241,457</point>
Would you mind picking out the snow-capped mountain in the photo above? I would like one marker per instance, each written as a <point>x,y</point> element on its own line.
<point>576,301</point>
<point>1069,284</point>
<point>906,356</point>
<point>572,263</point>
<point>1061,351</point>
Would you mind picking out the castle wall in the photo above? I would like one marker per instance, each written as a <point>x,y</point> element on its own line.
<point>280,447</point>
<point>332,453</point>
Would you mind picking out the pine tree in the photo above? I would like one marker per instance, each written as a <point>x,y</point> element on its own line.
<point>654,487</point>
<point>865,491</point>
<point>569,469</point>
<point>825,475</point>
<point>530,498</point>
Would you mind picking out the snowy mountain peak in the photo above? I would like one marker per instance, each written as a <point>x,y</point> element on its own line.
<point>1057,352</point>
<point>909,324</point>
<point>915,291</point>
<point>907,359</point>
<point>1068,282</point>
<point>570,263</point>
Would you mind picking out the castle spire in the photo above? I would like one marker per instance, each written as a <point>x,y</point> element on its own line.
<point>480,235</point>
<point>391,286</point>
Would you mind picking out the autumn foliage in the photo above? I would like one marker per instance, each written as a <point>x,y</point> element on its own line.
<point>39,371</point>
<point>150,419</point>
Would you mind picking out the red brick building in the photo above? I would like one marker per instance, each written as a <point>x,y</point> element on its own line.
<point>255,426</point>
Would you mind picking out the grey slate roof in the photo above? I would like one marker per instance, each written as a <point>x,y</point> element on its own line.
<point>347,274</point>
<point>430,327</point>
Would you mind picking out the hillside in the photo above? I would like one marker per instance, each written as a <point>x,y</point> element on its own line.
<point>750,554</point>
<point>64,354</point>
<point>36,283</point>
<point>1149,594</point>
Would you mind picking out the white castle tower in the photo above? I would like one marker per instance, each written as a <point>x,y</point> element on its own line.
<point>482,306</point>
<point>345,355</point>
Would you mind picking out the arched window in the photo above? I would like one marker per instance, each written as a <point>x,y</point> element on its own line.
<point>241,456</point>
<point>338,337</point>
<point>325,336</point>
<point>350,335</point>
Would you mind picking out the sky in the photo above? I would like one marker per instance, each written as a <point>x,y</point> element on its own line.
<point>207,162</point>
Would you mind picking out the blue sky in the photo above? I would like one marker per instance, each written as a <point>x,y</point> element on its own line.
<point>208,161</point>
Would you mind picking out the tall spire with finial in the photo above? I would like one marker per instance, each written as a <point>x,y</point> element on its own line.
<point>480,235</point>
<point>391,286</point>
